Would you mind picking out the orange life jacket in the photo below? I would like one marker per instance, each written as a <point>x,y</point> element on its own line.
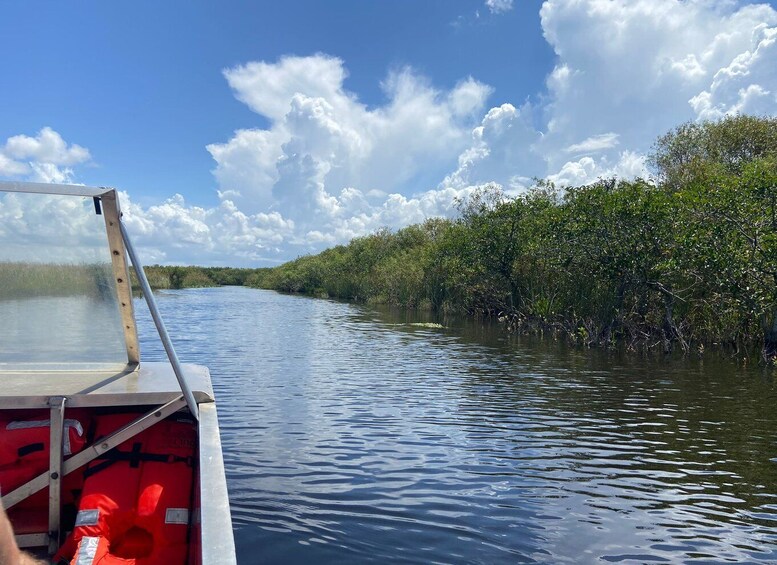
<point>24,454</point>
<point>25,445</point>
<point>135,503</point>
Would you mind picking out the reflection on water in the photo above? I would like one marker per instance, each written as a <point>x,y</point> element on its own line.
<point>352,435</point>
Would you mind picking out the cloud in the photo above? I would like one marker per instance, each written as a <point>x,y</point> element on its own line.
<point>47,147</point>
<point>321,139</point>
<point>638,68</point>
<point>501,150</point>
<point>327,167</point>
<point>328,163</point>
<point>268,88</point>
<point>45,228</point>
<point>499,6</point>
<point>11,168</point>
<point>626,71</point>
<point>43,158</point>
<point>748,85</point>
<point>595,143</point>
<point>586,170</point>
<point>175,232</point>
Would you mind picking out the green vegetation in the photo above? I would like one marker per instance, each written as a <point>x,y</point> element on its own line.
<point>19,279</point>
<point>164,277</point>
<point>687,260</point>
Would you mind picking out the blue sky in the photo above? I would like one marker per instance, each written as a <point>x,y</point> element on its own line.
<point>248,133</point>
<point>140,84</point>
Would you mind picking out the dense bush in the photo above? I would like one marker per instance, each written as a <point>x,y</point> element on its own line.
<point>686,259</point>
<point>164,277</point>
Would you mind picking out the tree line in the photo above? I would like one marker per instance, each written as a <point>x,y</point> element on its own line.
<point>174,277</point>
<point>684,260</point>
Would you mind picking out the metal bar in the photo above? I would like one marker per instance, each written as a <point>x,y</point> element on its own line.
<point>31,540</point>
<point>80,459</point>
<point>218,542</point>
<point>121,275</point>
<point>160,325</point>
<point>46,188</point>
<point>56,425</point>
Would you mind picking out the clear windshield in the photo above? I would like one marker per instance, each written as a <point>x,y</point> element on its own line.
<point>58,303</point>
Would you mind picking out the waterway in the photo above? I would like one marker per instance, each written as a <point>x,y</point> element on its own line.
<point>355,435</point>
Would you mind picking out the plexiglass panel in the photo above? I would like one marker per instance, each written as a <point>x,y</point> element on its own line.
<point>58,304</point>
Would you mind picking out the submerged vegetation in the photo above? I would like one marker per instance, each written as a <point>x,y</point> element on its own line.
<point>682,261</point>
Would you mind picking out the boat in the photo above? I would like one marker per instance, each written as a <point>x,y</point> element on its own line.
<point>103,458</point>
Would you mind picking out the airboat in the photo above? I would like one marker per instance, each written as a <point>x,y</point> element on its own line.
<point>103,459</point>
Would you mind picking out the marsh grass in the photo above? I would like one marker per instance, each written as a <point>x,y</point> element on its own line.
<point>23,280</point>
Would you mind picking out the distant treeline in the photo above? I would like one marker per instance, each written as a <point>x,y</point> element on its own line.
<point>20,279</point>
<point>688,259</point>
<point>164,277</point>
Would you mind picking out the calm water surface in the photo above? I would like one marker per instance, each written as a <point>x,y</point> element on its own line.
<point>351,435</point>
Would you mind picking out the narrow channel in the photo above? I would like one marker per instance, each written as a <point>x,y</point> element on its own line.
<point>355,435</point>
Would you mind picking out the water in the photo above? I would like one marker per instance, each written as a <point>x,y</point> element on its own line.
<point>351,435</point>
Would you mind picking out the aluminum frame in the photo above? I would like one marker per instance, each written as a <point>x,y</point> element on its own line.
<point>112,214</point>
<point>46,188</point>
<point>217,539</point>
<point>120,246</point>
<point>56,428</point>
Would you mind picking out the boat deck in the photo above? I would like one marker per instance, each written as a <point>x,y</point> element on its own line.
<point>151,383</point>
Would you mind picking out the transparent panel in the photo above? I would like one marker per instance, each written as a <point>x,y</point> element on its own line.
<point>58,303</point>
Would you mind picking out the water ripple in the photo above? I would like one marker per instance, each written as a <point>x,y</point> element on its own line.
<point>351,435</point>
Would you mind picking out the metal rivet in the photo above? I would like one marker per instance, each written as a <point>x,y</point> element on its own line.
<point>104,446</point>
<point>55,475</point>
<point>158,414</point>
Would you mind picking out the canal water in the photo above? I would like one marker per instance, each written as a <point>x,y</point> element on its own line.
<point>353,435</point>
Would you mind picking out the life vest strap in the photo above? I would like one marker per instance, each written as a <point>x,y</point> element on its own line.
<point>134,457</point>
<point>30,448</point>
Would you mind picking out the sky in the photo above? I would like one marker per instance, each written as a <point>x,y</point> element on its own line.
<point>249,133</point>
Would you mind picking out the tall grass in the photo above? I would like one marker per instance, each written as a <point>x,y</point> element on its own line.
<point>19,279</point>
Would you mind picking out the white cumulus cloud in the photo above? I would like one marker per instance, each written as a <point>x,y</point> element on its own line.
<point>327,167</point>
<point>330,164</point>
<point>45,157</point>
<point>499,6</point>
<point>637,68</point>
